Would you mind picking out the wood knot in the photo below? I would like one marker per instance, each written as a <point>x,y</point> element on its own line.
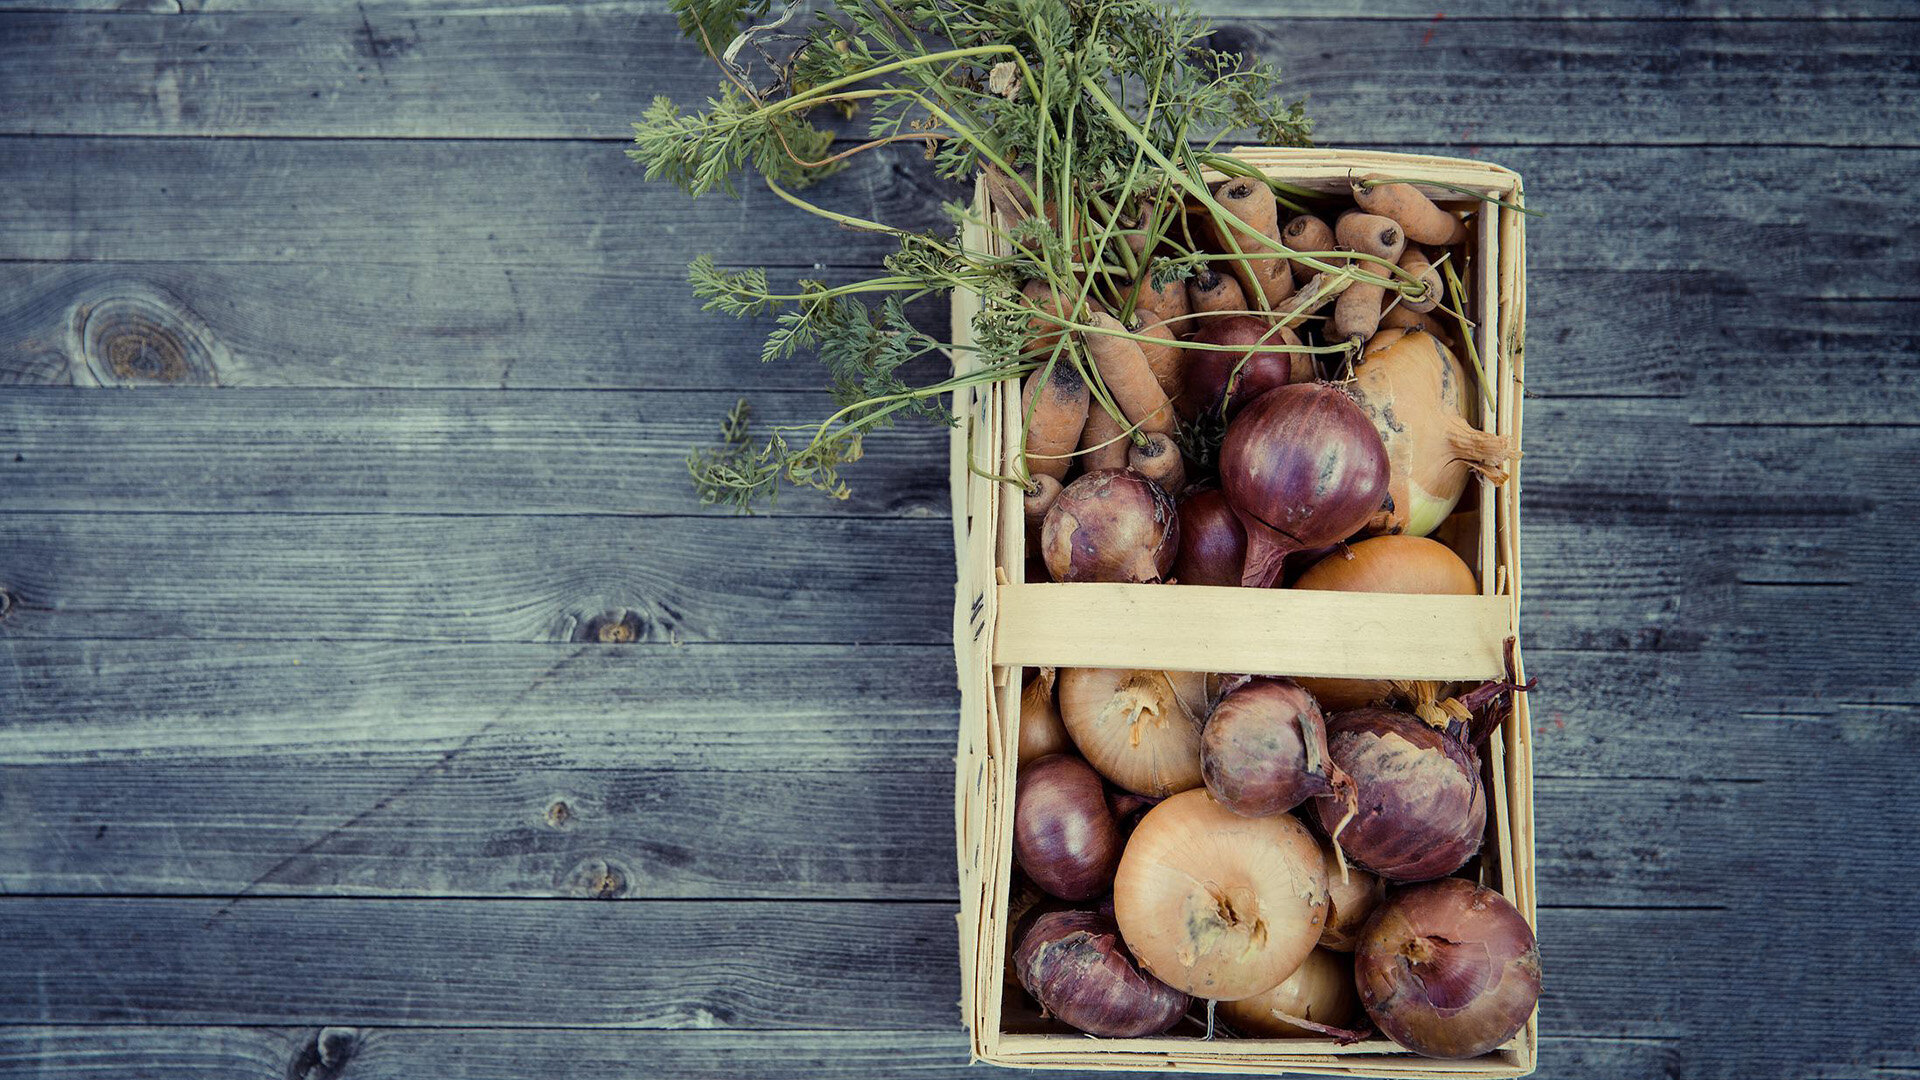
<point>141,338</point>
<point>595,879</point>
<point>615,628</point>
<point>559,814</point>
<point>6,603</point>
<point>325,1055</point>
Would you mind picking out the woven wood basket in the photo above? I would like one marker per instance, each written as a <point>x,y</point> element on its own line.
<point>1003,623</point>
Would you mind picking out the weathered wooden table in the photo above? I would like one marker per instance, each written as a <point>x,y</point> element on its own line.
<point>377,702</point>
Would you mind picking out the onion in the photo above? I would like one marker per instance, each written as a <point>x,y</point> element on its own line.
<point>1320,992</point>
<point>1218,905</point>
<point>1420,809</point>
<point>1351,898</point>
<point>1074,965</point>
<point>1041,732</point>
<point>1383,564</point>
<point>1448,969</point>
<point>1213,543</point>
<point>1264,749</point>
<point>1064,834</point>
<point>1302,466</point>
<point>1418,397</point>
<point>1141,729</point>
<point>1220,383</point>
<point>1111,525</point>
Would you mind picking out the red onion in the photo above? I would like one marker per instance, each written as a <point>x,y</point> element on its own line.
<point>1074,965</point>
<point>1420,809</point>
<point>1448,969</point>
<point>1264,749</point>
<point>1064,834</point>
<point>1221,382</point>
<point>1111,525</point>
<point>1302,466</point>
<point>1213,543</point>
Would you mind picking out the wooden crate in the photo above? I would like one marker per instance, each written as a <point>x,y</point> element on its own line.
<point>1003,623</point>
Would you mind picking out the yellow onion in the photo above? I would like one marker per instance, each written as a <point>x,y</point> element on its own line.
<point>1351,898</point>
<point>1382,564</point>
<point>1318,999</point>
<point>1419,398</point>
<point>1140,729</point>
<point>1218,905</point>
<point>1041,732</point>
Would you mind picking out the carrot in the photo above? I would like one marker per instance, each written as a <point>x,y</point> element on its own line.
<point>1370,234</point>
<point>1268,280</point>
<point>1320,290</point>
<point>1357,314</point>
<point>1059,410</point>
<point>1128,377</point>
<point>1164,354</point>
<point>1046,334</point>
<point>1399,317</point>
<point>1169,302</point>
<point>1309,233</point>
<point>1211,290</point>
<point>1103,442</point>
<point>1424,222</point>
<point>1414,262</point>
<point>1039,498</point>
<point>1158,459</point>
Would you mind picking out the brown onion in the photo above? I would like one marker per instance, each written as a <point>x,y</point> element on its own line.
<point>1383,564</point>
<point>1140,729</point>
<point>1220,382</point>
<point>1213,543</point>
<point>1074,965</point>
<point>1111,525</point>
<point>1420,810</point>
<point>1448,969</point>
<point>1418,397</point>
<point>1064,835</point>
<point>1041,731</point>
<point>1218,905</point>
<point>1264,749</point>
<point>1351,900</point>
<point>1320,992</point>
<point>1302,466</point>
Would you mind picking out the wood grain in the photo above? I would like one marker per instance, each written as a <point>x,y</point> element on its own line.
<point>588,73</point>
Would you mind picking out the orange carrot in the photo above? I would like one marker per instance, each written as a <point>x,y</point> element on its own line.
<point>1059,408</point>
<point>1251,201</point>
<point>1309,233</point>
<point>1357,314</point>
<point>1414,262</point>
<point>1103,442</point>
<point>1039,498</point>
<point>1164,354</point>
<point>1424,222</point>
<point>1370,234</point>
<point>1168,302</point>
<point>1128,377</point>
<point>1046,334</point>
<point>1211,290</point>
<point>1158,459</point>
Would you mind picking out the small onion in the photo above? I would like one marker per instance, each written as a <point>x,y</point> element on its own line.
<point>1264,749</point>
<point>1218,905</point>
<point>1220,382</point>
<point>1351,899</point>
<point>1383,564</point>
<point>1448,969</point>
<point>1418,396</point>
<point>1041,732</point>
<point>1213,543</point>
<point>1141,729</point>
<point>1320,991</point>
<point>1111,525</point>
<point>1420,809</point>
<point>1302,466</point>
<point>1064,835</point>
<point>1075,966</point>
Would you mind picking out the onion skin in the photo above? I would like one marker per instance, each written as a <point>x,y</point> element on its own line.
<point>1064,835</point>
<point>1448,969</point>
<point>1211,383</point>
<point>1213,543</point>
<point>1139,728</point>
<point>1041,730</point>
<point>1264,749</point>
<point>1218,905</point>
<point>1350,903</point>
<point>1074,965</point>
<point>1382,564</point>
<point>1111,525</point>
<point>1302,466</point>
<point>1321,990</point>
<point>1421,809</point>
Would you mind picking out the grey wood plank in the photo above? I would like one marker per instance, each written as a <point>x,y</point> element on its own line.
<point>584,206</point>
<point>451,452</point>
<point>251,1053</point>
<point>587,74</point>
